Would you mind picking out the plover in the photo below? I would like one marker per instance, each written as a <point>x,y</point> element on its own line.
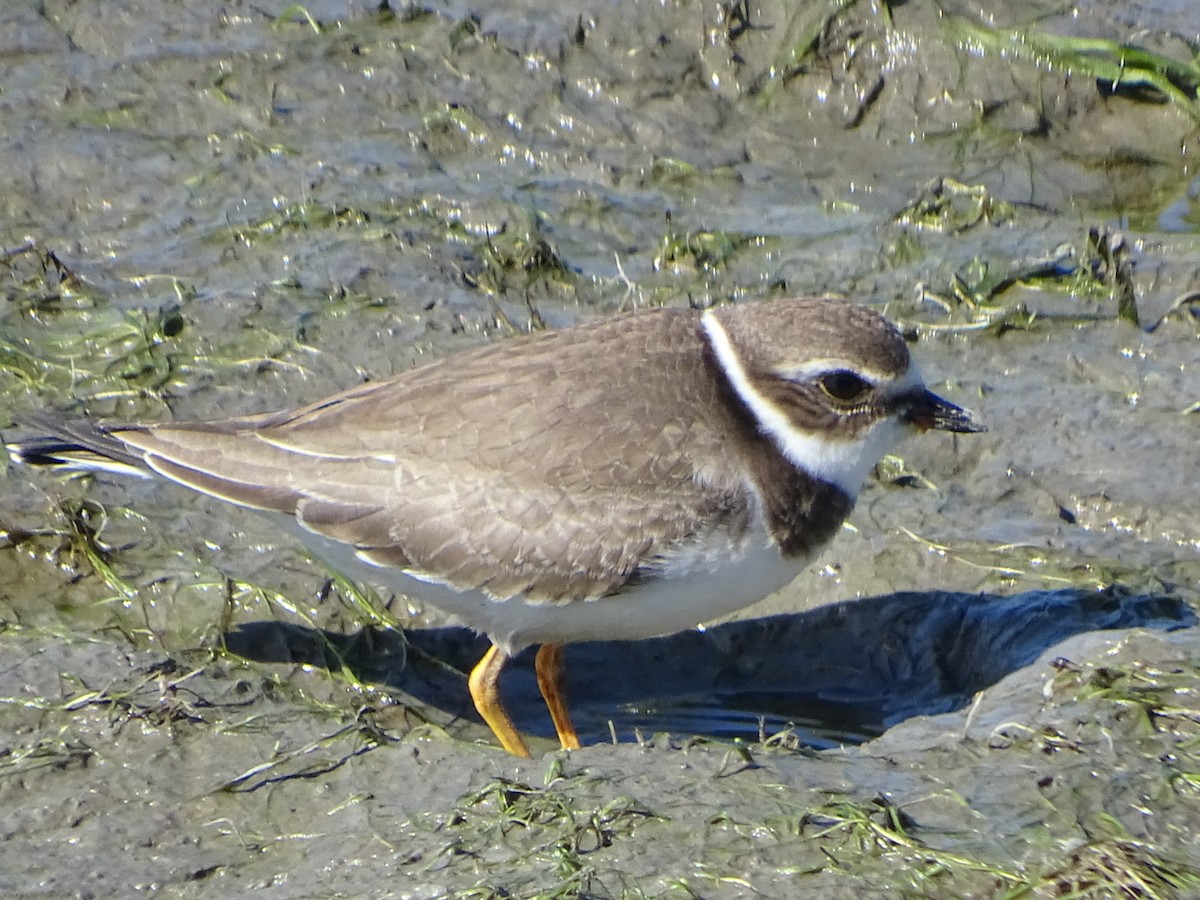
<point>617,480</point>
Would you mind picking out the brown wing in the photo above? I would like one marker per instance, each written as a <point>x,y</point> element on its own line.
<point>552,466</point>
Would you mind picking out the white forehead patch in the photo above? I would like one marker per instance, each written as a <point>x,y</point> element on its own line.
<point>842,462</point>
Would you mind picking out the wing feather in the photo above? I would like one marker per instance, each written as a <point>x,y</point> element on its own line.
<point>534,467</point>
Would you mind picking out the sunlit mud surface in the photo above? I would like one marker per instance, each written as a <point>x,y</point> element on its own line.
<point>986,685</point>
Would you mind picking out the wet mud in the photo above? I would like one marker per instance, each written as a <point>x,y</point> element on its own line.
<point>985,686</point>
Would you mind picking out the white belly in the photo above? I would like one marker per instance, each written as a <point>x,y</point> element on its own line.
<point>701,589</point>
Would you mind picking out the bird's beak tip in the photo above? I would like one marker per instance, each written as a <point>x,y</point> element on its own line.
<point>928,412</point>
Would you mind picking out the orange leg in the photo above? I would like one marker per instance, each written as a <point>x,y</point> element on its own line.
<point>485,692</point>
<point>549,665</point>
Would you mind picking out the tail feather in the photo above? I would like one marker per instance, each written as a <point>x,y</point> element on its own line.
<point>76,445</point>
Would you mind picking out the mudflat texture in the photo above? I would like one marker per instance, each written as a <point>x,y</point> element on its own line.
<point>986,686</point>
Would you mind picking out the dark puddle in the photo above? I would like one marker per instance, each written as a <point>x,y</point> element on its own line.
<point>838,674</point>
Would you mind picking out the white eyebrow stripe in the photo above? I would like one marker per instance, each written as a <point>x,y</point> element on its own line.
<point>828,365</point>
<point>843,463</point>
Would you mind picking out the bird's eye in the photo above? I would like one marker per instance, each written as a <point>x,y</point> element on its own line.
<point>843,386</point>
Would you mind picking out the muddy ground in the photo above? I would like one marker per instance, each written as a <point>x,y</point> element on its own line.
<point>987,686</point>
